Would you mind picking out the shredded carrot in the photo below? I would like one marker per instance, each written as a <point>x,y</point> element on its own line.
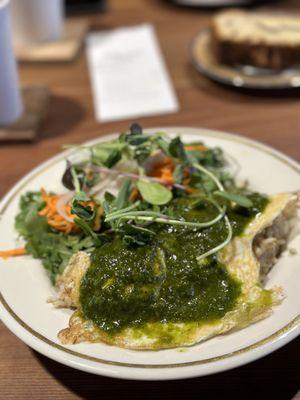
<point>190,189</point>
<point>54,219</point>
<point>199,147</point>
<point>13,253</point>
<point>186,182</point>
<point>134,195</point>
<point>167,175</point>
<point>97,223</point>
<point>164,171</point>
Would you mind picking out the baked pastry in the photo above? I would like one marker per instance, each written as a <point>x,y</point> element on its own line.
<point>257,39</point>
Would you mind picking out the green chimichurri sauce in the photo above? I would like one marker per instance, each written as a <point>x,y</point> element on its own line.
<point>163,282</point>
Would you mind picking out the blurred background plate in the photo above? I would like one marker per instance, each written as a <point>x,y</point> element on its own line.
<point>212,3</point>
<point>205,62</point>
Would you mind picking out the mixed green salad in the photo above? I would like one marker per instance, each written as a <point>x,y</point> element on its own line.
<point>151,171</point>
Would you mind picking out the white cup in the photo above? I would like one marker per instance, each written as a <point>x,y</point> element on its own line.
<point>10,97</point>
<point>36,21</point>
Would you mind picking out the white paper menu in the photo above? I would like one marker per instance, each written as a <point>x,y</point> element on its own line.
<point>128,74</point>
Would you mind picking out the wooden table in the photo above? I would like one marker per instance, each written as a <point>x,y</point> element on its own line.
<point>273,118</point>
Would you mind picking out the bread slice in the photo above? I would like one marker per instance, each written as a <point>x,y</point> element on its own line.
<point>258,39</point>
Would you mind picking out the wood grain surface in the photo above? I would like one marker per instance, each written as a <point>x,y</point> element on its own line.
<point>272,118</point>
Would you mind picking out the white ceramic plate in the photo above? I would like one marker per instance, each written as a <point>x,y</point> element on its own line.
<point>24,286</point>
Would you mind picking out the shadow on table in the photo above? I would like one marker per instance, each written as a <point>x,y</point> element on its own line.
<point>273,377</point>
<point>62,116</point>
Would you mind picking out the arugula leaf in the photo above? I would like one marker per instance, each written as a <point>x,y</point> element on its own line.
<point>177,150</point>
<point>145,145</point>
<point>107,154</point>
<point>154,193</point>
<point>113,158</point>
<point>141,153</point>
<point>162,144</point>
<point>136,235</point>
<point>122,198</point>
<point>86,228</point>
<point>213,157</point>
<point>201,181</point>
<point>108,203</point>
<point>178,174</point>
<point>136,140</point>
<point>236,198</point>
<point>81,196</point>
<point>86,213</point>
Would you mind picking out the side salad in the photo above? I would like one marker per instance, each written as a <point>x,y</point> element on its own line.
<point>122,187</point>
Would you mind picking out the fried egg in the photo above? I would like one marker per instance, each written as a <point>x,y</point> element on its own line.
<point>247,258</point>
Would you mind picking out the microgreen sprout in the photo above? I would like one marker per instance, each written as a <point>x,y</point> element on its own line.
<point>221,245</point>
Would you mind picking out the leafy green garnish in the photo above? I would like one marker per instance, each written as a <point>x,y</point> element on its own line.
<point>136,235</point>
<point>178,173</point>
<point>68,176</point>
<point>177,150</point>
<point>154,193</point>
<point>136,140</point>
<point>75,179</point>
<point>53,248</point>
<point>107,154</point>
<point>86,228</point>
<point>210,157</point>
<point>86,213</point>
<point>122,199</point>
<point>236,198</point>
